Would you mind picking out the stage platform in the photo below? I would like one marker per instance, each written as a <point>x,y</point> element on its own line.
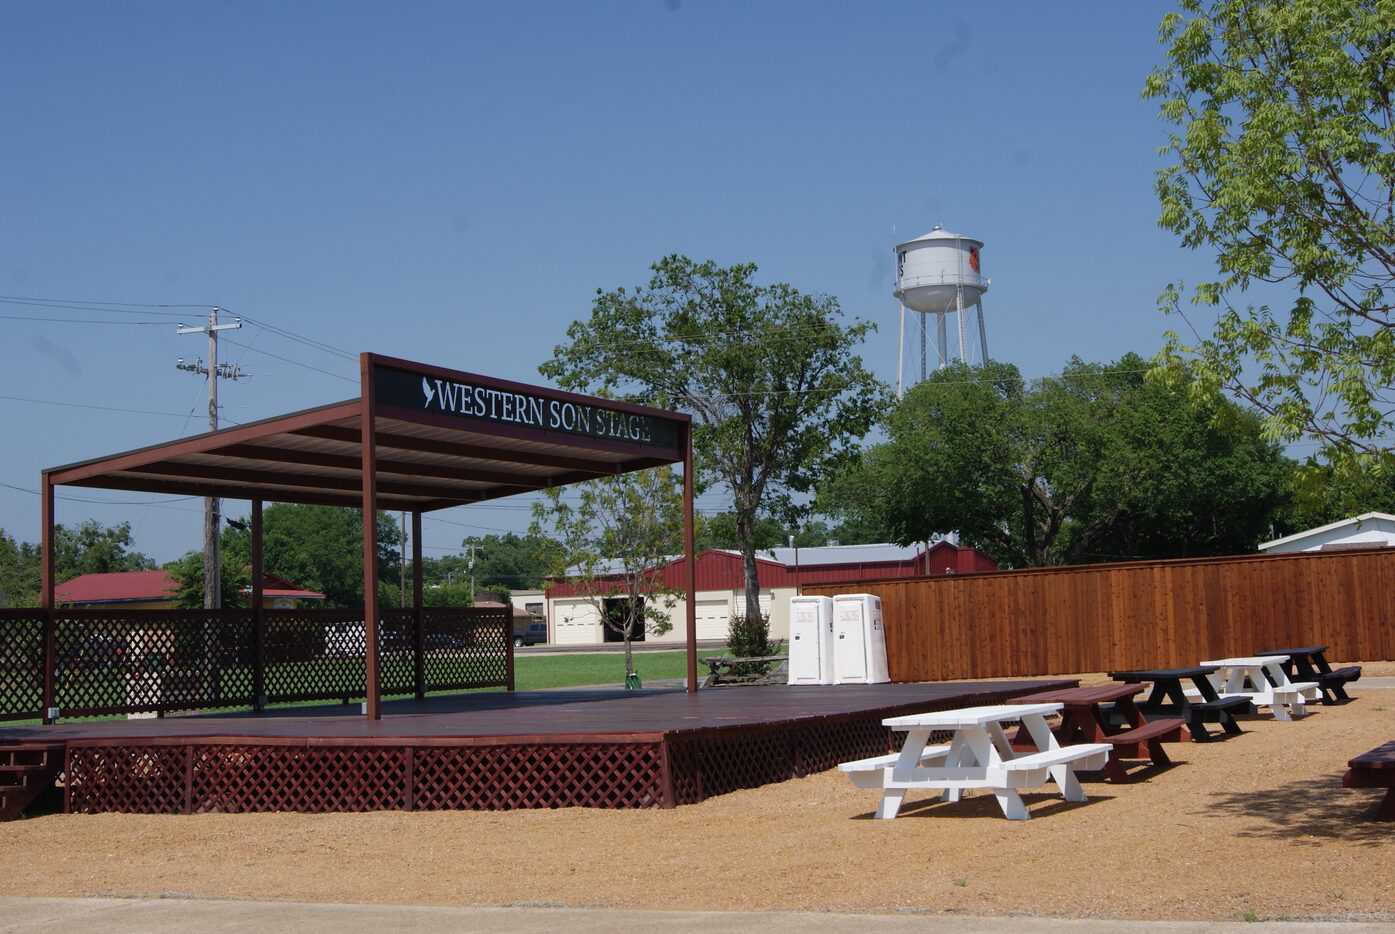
<point>487,750</point>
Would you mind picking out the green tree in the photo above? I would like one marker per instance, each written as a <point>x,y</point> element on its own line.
<point>719,531</point>
<point>1096,464</point>
<point>19,572</point>
<point>511,561</point>
<point>187,572</point>
<point>769,374</point>
<point>617,534</point>
<point>1283,164</point>
<point>319,548</point>
<point>92,548</point>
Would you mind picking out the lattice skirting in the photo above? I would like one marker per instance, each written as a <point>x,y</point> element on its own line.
<point>265,775</point>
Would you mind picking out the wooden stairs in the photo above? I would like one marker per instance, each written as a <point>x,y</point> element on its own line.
<point>27,771</point>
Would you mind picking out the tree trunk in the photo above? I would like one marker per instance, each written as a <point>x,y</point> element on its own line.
<point>745,532</point>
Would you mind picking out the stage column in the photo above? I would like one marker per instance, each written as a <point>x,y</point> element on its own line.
<point>258,619</point>
<point>46,597</point>
<point>368,458</point>
<point>418,649</point>
<point>688,551</point>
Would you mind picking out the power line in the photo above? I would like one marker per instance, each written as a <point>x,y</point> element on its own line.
<point>257,350</point>
<point>122,308</point>
<point>103,502</point>
<point>100,408</point>
<point>81,320</point>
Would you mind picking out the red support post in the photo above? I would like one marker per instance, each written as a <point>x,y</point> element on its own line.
<point>46,597</point>
<point>418,656</point>
<point>688,550</point>
<point>258,620</point>
<point>368,459</point>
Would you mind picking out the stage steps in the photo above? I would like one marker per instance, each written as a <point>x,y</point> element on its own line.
<point>26,771</point>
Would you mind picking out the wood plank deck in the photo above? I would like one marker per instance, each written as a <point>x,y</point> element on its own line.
<point>572,713</point>
<point>540,749</point>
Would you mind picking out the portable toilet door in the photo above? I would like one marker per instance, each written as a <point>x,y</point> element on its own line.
<point>859,655</point>
<point>811,640</point>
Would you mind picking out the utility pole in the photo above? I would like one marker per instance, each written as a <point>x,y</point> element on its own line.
<point>471,563</point>
<point>214,371</point>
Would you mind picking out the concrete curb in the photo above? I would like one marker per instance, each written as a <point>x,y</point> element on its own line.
<point>176,915</point>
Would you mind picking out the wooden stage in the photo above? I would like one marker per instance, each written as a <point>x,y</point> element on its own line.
<point>483,751</point>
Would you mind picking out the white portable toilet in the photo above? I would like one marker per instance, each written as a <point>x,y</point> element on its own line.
<point>859,640</point>
<point>811,640</point>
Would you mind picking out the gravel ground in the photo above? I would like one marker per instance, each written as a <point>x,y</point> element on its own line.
<point>1255,827</point>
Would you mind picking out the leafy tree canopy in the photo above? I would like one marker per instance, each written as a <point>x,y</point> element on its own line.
<point>615,536</point>
<point>187,572</point>
<point>508,560</point>
<point>88,548</point>
<point>769,374</point>
<point>318,548</point>
<point>1096,464</point>
<point>1283,164</point>
<point>719,531</point>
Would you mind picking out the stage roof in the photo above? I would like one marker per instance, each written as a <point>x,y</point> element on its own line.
<point>441,438</point>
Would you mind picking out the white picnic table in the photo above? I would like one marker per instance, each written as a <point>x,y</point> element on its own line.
<point>978,756</point>
<point>1245,677</point>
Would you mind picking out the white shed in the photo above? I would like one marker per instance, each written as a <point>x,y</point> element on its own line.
<point>1368,530</point>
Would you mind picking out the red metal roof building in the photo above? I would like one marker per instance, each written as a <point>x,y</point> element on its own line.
<point>156,589</point>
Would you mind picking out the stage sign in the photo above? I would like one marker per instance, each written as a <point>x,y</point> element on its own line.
<point>474,399</point>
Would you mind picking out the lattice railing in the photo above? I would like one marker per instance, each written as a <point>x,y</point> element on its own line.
<point>466,647</point>
<point>21,664</point>
<point>128,661</point>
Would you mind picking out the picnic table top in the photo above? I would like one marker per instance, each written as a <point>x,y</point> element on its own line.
<point>1162,674</point>
<point>1302,650</point>
<point>1246,661</point>
<point>1084,697</point>
<point>1382,757</point>
<point>971,716</point>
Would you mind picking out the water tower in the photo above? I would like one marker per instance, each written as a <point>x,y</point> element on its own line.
<point>939,274</point>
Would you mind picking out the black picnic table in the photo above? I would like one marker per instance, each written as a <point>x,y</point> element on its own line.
<point>1169,700</point>
<point>1309,663</point>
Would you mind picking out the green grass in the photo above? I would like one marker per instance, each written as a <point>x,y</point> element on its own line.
<point>536,672</point>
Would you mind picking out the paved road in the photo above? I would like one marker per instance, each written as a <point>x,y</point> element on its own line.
<point>211,916</point>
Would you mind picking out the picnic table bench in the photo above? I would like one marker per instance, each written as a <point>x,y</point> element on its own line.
<point>1107,713</point>
<point>978,757</point>
<point>1375,769</point>
<point>1168,699</point>
<point>1309,663</point>
<point>758,670</point>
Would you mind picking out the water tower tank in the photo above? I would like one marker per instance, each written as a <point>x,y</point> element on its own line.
<point>937,270</point>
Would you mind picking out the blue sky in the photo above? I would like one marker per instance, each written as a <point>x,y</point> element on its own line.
<point>451,182</point>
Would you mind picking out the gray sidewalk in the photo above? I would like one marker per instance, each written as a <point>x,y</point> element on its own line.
<point>177,915</point>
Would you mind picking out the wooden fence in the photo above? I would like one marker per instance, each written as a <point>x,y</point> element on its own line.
<point>1138,615</point>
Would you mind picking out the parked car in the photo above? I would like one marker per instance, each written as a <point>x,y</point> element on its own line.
<point>441,640</point>
<point>529,632</point>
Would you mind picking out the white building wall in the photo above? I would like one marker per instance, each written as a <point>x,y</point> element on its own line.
<point>1370,529</point>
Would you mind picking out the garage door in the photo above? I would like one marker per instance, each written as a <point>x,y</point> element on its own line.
<point>713,619</point>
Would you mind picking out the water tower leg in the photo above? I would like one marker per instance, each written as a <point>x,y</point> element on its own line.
<point>922,345</point>
<point>982,333</point>
<point>959,323</point>
<point>900,353</point>
<point>944,341</point>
